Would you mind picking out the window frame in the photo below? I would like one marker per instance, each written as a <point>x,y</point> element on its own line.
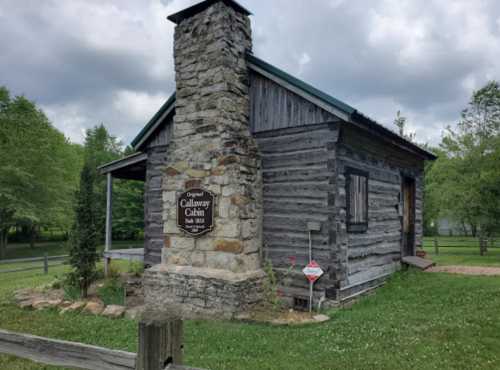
<point>356,227</point>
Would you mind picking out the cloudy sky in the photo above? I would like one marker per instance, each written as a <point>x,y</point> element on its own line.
<point>91,61</point>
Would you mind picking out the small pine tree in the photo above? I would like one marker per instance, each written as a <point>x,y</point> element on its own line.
<point>83,253</point>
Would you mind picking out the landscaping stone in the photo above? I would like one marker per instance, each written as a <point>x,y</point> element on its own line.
<point>113,311</point>
<point>23,295</point>
<point>134,312</point>
<point>65,304</point>
<point>43,303</point>
<point>94,307</point>
<point>321,318</point>
<point>77,306</point>
<point>25,304</point>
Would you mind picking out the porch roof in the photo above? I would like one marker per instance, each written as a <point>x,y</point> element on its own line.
<point>132,167</point>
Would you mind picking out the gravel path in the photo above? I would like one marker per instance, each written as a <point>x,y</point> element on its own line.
<point>467,270</point>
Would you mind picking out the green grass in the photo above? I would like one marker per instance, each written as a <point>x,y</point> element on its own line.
<point>417,321</point>
<point>461,251</point>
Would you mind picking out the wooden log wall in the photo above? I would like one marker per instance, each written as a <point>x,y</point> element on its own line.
<point>297,189</point>
<point>153,203</point>
<point>273,107</point>
<point>376,252</point>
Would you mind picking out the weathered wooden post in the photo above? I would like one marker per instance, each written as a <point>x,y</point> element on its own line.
<point>160,341</point>
<point>45,263</point>
<point>436,246</point>
<point>481,246</point>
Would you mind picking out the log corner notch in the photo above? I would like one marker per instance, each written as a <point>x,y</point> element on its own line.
<point>160,342</point>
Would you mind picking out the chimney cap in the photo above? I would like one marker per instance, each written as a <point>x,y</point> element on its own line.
<point>197,8</point>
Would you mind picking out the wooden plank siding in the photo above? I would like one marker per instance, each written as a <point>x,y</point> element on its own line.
<point>156,148</point>
<point>297,189</point>
<point>376,252</point>
<point>273,107</point>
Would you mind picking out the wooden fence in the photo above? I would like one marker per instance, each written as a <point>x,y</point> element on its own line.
<point>482,243</point>
<point>46,262</point>
<point>160,348</point>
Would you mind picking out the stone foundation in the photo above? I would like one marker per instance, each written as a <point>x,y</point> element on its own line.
<point>202,293</point>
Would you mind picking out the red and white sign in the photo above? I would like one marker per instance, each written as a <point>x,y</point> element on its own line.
<point>312,271</point>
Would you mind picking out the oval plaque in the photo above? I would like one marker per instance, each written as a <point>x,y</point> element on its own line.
<point>195,212</point>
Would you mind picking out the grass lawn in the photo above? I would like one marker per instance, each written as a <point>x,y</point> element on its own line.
<point>417,321</point>
<point>461,251</point>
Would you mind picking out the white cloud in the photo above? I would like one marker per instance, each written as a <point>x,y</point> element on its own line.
<point>68,119</point>
<point>138,105</point>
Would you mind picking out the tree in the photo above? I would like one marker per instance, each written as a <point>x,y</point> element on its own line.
<point>83,252</point>
<point>400,122</point>
<point>465,180</point>
<point>37,174</point>
<point>100,148</point>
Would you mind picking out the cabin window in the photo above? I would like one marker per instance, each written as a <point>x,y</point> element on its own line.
<point>357,200</point>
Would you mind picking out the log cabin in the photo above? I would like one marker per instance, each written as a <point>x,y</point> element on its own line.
<point>290,168</point>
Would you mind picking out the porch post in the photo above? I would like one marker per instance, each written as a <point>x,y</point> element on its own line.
<point>109,230</point>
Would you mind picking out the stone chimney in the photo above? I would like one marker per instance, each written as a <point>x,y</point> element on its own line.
<point>219,273</point>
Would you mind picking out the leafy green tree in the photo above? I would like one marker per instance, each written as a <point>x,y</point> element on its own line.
<point>128,204</point>
<point>128,208</point>
<point>465,180</point>
<point>83,252</point>
<point>100,148</point>
<point>37,174</point>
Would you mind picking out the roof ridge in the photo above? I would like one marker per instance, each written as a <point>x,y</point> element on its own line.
<point>353,115</point>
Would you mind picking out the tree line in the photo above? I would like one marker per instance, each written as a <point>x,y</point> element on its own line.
<point>40,173</point>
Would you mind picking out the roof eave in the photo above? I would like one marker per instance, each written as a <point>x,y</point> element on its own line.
<point>153,123</point>
<point>359,118</point>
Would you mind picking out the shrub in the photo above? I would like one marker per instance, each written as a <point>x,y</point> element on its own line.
<point>136,268</point>
<point>113,272</point>
<point>112,292</point>
<point>71,286</point>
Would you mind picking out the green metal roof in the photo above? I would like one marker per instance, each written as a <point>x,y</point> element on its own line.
<point>165,107</point>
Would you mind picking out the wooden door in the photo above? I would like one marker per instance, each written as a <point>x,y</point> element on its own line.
<point>408,221</point>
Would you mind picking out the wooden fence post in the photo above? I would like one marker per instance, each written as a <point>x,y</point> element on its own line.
<point>45,263</point>
<point>160,342</point>
<point>481,246</point>
<point>436,246</point>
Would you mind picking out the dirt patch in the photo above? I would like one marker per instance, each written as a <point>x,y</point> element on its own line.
<point>467,270</point>
<point>282,317</point>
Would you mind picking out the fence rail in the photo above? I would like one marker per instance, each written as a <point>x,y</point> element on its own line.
<point>482,243</point>
<point>79,356</point>
<point>46,259</point>
<point>472,243</point>
<point>65,354</point>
